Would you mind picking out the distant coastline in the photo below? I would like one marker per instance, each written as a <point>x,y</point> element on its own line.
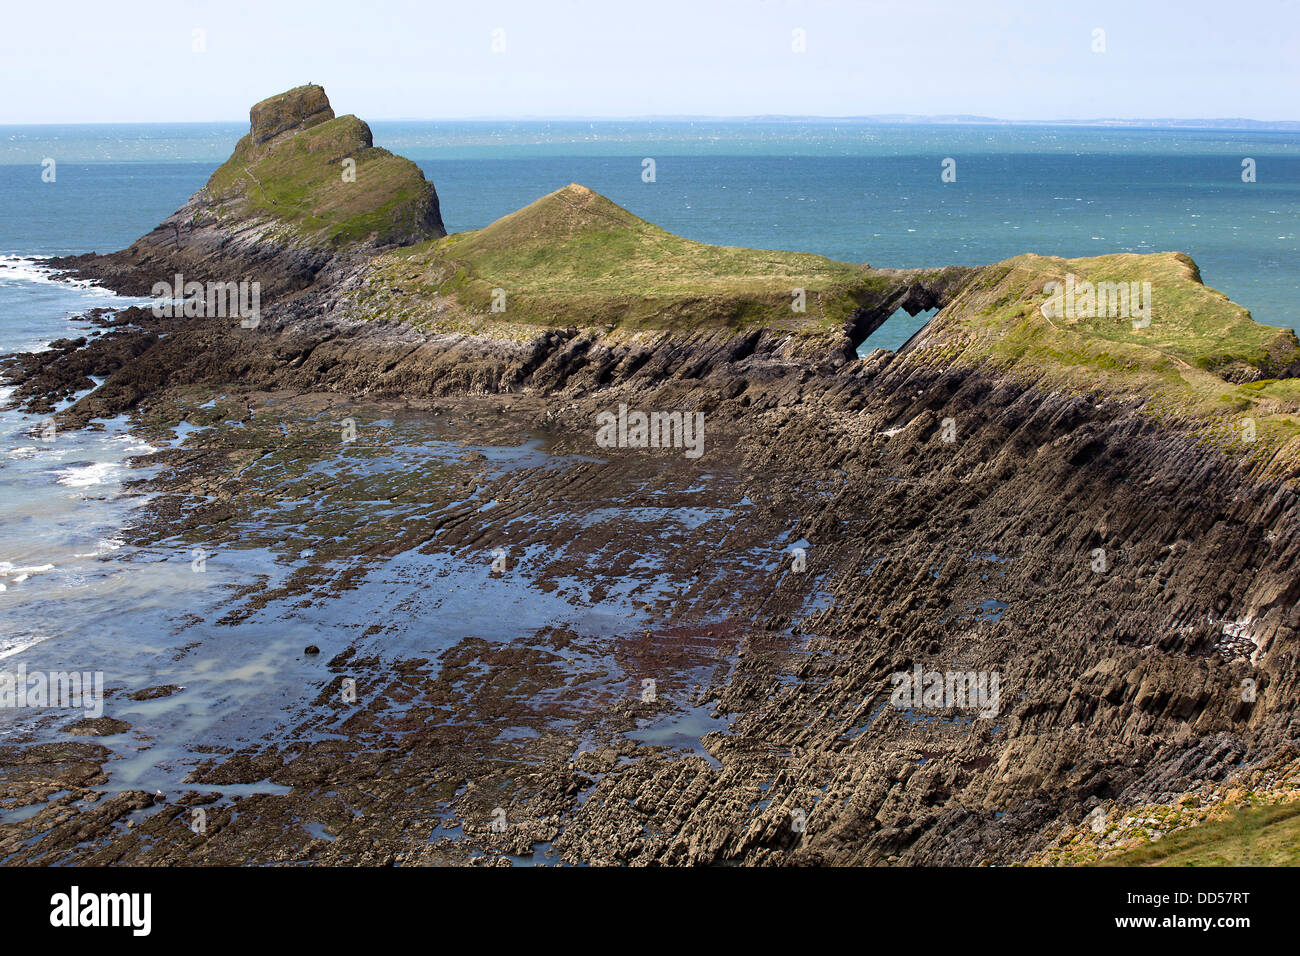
<point>891,119</point>
<point>884,119</point>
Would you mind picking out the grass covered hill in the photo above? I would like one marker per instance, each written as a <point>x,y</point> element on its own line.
<point>574,258</point>
<point>290,169</point>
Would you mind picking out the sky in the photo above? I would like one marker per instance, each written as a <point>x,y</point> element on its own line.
<point>189,60</point>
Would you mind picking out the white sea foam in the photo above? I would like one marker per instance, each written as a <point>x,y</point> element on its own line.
<point>134,446</point>
<point>29,269</point>
<point>17,574</point>
<point>11,645</point>
<point>22,267</point>
<point>105,546</point>
<point>84,476</point>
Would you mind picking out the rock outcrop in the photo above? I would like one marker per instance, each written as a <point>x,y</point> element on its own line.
<point>282,115</point>
<point>302,191</point>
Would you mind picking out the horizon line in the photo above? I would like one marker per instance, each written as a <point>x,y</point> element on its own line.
<point>903,119</point>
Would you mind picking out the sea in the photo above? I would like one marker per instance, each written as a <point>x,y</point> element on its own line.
<point>72,590</point>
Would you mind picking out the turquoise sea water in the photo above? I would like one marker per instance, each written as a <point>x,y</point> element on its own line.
<point>854,191</point>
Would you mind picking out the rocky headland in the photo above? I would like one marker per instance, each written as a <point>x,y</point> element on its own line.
<point>1100,509</point>
<point>276,212</point>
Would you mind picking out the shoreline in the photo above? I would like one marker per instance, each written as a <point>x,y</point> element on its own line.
<point>921,494</point>
<point>447,622</point>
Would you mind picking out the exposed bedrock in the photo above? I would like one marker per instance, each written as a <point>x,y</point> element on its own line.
<point>194,243</point>
<point>1122,578</point>
<point>281,116</point>
<point>1104,453</point>
<point>309,342</point>
<point>1009,496</point>
<point>1124,583</point>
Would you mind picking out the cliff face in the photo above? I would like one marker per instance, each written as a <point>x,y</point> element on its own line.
<point>304,189</point>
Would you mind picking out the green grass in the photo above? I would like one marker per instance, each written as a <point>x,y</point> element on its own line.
<point>575,258</point>
<point>298,184</point>
<point>1257,836</point>
<point>1202,359</point>
<point>1191,325</point>
<point>1188,320</point>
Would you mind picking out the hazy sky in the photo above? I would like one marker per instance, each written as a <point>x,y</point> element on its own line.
<point>386,59</point>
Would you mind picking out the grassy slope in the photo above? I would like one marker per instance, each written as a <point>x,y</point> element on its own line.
<point>1190,322</point>
<point>298,183</point>
<point>1176,365</point>
<point>1258,836</point>
<point>575,258</point>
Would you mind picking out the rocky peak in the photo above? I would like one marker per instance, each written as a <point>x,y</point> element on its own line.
<point>288,112</point>
<point>301,190</point>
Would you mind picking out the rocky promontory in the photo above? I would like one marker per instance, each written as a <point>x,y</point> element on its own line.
<point>1100,506</point>
<point>303,190</point>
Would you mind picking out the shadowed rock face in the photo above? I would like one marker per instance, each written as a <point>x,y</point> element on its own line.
<point>915,291</point>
